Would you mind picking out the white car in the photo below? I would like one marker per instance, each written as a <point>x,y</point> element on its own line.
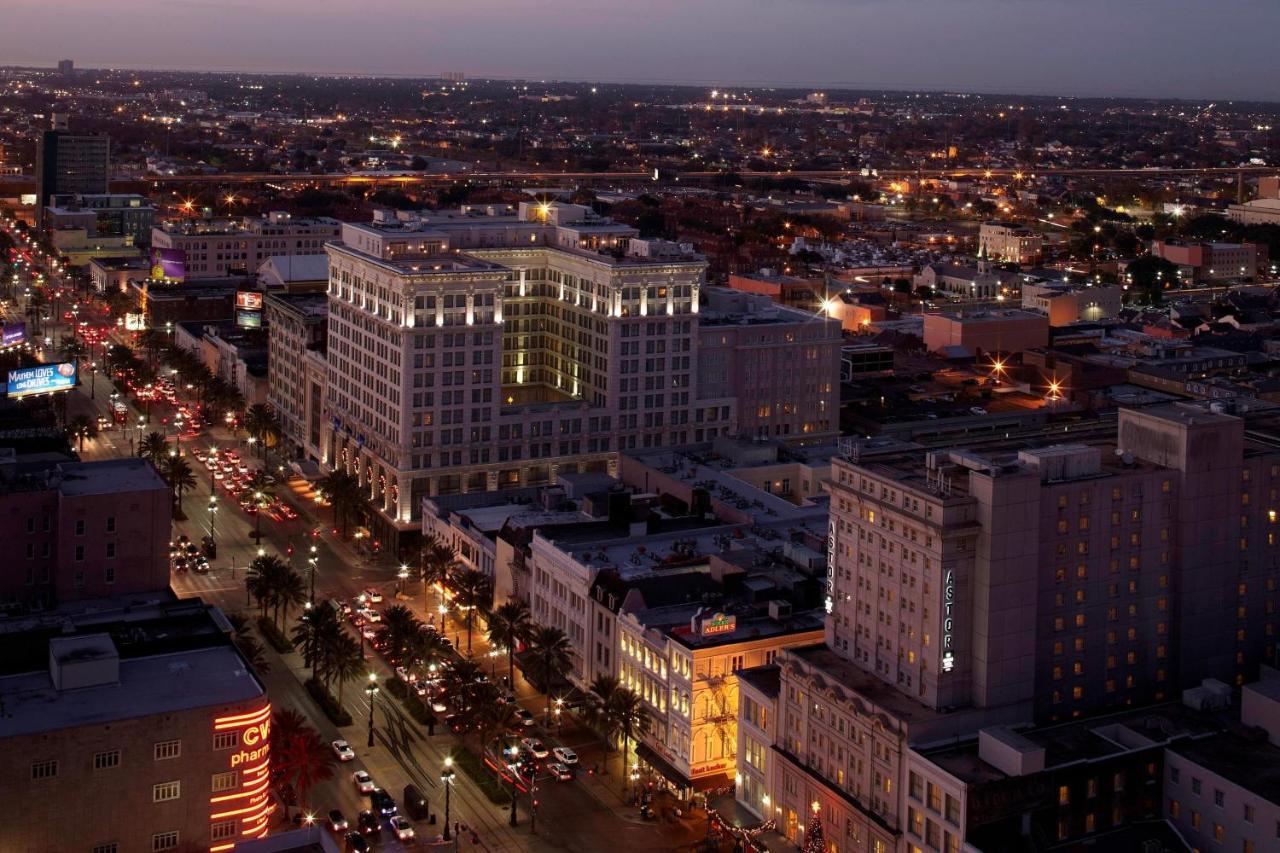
<point>402,828</point>
<point>373,595</point>
<point>565,755</point>
<point>559,771</point>
<point>437,705</point>
<point>363,782</point>
<point>343,750</point>
<point>535,747</point>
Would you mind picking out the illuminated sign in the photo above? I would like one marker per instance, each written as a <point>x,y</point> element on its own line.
<point>249,804</point>
<point>13,334</point>
<point>169,264</point>
<point>831,564</point>
<point>719,623</point>
<point>249,319</point>
<point>135,322</point>
<point>26,381</point>
<point>948,620</point>
<point>248,300</point>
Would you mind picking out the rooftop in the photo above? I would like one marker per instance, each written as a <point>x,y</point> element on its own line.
<point>765,679</point>
<point>109,476</point>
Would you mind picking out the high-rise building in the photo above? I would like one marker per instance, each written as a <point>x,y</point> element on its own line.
<point>81,530</point>
<point>491,347</point>
<point>66,67</point>
<point>971,589</point>
<point>70,163</point>
<point>295,327</point>
<point>131,723</point>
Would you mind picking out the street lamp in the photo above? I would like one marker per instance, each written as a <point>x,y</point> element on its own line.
<point>402,577</point>
<point>513,754</point>
<point>372,689</point>
<point>446,777</point>
<point>257,503</point>
<point>559,708</point>
<point>213,516</point>
<point>361,599</point>
<point>312,560</point>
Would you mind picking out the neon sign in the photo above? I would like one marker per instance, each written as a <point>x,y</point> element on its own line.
<point>250,803</point>
<point>831,564</point>
<point>948,621</point>
<point>719,623</point>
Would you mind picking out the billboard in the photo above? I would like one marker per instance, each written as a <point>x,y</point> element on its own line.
<point>42,379</point>
<point>13,334</point>
<point>169,264</point>
<point>249,319</point>
<point>248,300</point>
<point>135,322</point>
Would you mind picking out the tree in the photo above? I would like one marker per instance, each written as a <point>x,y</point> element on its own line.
<point>472,590</point>
<point>290,592</point>
<point>632,717</point>
<point>248,644</point>
<point>71,348</point>
<point>300,755</point>
<point>177,472</point>
<point>493,717</point>
<point>551,653</point>
<point>153,446</point>
<point>426,647</point>
<point>813,840</point>
<point>265,579</point>
<point>599,710</point>
<point>509,625</point>
<point>1149,277</point>
<point>436,559</point>
<point>345,495</point>
<point>399,626</point>
<point>80,428</point>
<point>344,662</point>
<point>261,423</point>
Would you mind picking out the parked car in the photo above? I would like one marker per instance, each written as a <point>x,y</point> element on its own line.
<point>565,755</point>
<point>343,750</point>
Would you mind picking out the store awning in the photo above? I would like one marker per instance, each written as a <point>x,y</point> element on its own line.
<point>649,756</point>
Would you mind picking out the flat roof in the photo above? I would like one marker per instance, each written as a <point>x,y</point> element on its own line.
<point>160,684</point>
<point>108,476</point>
<point>765,679</point>
<point>1252,764</point>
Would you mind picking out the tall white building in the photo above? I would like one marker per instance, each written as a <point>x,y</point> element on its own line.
<point>492,347</point>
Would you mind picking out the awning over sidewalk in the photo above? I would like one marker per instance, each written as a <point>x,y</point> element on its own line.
<point>649,756</point>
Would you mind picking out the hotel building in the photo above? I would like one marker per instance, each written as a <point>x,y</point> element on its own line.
<point>493,347</point>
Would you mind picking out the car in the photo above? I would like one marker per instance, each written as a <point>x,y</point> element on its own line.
<point>422,687</point>
<point>559,771</point>
<point>526,716</point>
<point>402,828</point>
<point>383,803</point>
<point>456,724</point>
<point>535,747</point>
<point>363,782</point>
<point>373,595</point>
<point>356,842</point>
<point>438,705</point>
<point>368,823</point>
<point>337,821</point>
<point>565,755</point>
<point>343,750</point>
<point>402,673</point>
<point>371,614</point>
<point>369,633</point>
<point>200,565</point>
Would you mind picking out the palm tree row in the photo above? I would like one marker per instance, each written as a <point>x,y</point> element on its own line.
<point>343,492</point>
<point>473,591</point>
<point>510,625</point>
<point>331,652</point>
<point>616,710</point>
<point>275,586</point>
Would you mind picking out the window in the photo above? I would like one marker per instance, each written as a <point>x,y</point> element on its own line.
<point>1064,795</point>
<point>44,769</point>
<point>109,847</point>
<point>222,830</point>
<point>226,740</point>
<point>1219,798</point>
<point>111,524</point>
<point>166,791</point>
<point>1195,785</point>
<point>168,749</point>
<point>225,781</point>
<point>164,841</point>
<point>105,760</point>
<point>80,527</point>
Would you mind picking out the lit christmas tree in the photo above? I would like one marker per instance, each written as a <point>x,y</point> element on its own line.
<point>813,841</point>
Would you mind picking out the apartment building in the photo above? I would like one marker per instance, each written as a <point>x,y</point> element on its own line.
<point>1212,261</point>
<point>219,248</point>
<point>1065,303</point>
<point>69,163</point>
<point>295,326</point>
<point>78,530</point>
<point>137,717</point>
<point>1004,242</point>
<point>494,347</point>
<point>102,215</point>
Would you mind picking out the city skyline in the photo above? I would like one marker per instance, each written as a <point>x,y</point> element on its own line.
<point>874,44</point>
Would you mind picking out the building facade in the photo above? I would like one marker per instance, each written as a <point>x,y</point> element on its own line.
<point>70,163</point>
<point>218,248</point>
<point>295,326</point>
<point>1004,242</point>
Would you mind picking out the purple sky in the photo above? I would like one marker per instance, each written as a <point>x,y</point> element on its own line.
<point>1188,48</point>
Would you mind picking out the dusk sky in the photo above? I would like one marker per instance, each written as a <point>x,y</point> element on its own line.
<point>1185,48</point>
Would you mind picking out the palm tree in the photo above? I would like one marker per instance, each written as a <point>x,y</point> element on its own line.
<point>345,495</point>
<point>265,579</point>
<point>344,662</point>
<point>631,716</point>
<point>600,714</point>
<point>436,559</point>
<point>426,647</point>
<point>154,447</point>
<point>302,757</point>
<point>551,653</point>
<point>493,716</point>
<point>399,626</point>
<point>472,589</point>
<point>291,591</point>
<point>178,473</point>
<point>509,625</point>
<point>80,428</point>
<point>249,647</point>
<point>71,348</point>
<point>261,423</point>
<point>314,623</point>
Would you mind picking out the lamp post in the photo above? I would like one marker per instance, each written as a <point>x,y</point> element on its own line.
<point>213,517</point>
<point>401,577</point>
<point>312,560</point>
<point>512,754</point>
<point>257,503</point>
<point>446,778</point>
<point>361,600</point>
<point>93,381</point>
<point>372,689</point>
<point>559,708</point>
